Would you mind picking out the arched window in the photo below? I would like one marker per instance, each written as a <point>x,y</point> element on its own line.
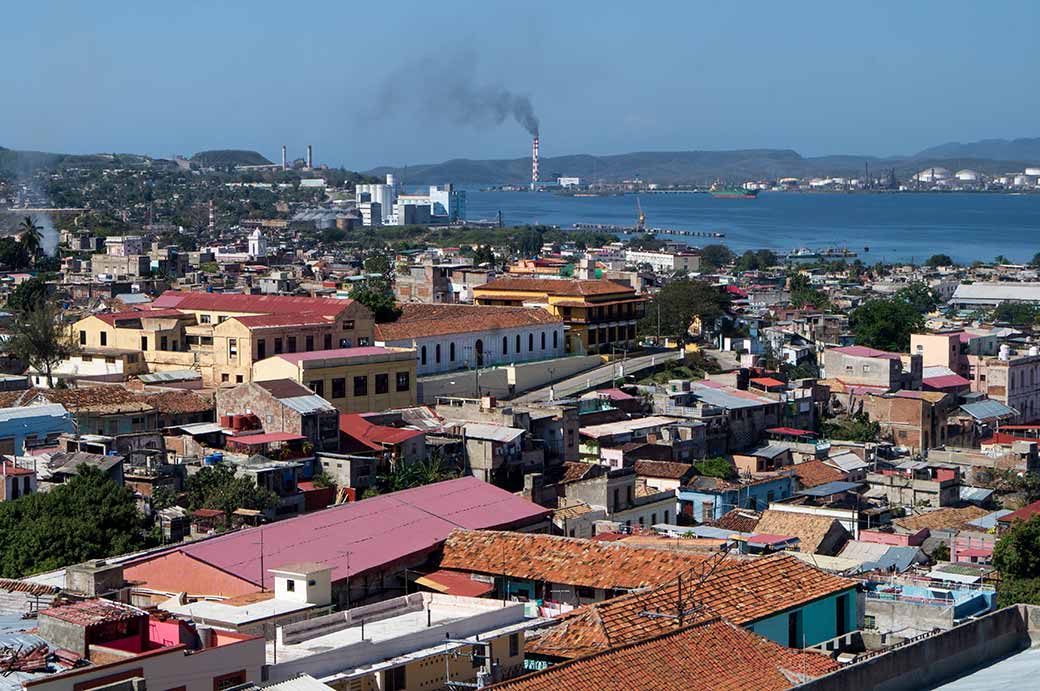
<point>422,356</point>
<point>451,352</point>
<point>543,340</point>
<point>437,354</point>
<point>505,345</point>
<point>556,339</point>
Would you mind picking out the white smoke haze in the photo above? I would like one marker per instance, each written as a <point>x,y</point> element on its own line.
<point>445,85</point>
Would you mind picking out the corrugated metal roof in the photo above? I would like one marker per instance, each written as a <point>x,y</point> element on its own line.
<point>827,489</point>
<point>990,520</point>
<point>988,409</point>
<point>973,494</point>
<point>499,433</point>
<point>729,399</point>
<point>308,404</point>
<point>1019,292</point>
<point>48,410</point>
<point>170,375</point>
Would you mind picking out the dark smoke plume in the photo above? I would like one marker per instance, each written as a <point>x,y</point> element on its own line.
<point>445,86</point>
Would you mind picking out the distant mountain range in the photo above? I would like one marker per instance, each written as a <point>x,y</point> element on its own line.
<point>988,156</point>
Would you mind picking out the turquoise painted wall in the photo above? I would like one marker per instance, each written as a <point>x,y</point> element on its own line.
<point>819,621</point>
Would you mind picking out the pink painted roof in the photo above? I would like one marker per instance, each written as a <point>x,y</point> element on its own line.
<point>945,381</point>
<point>336,353</point>
<point>257,304</point>
<point>258,439</point>
<point>353,538</point>
<point>863,351</point>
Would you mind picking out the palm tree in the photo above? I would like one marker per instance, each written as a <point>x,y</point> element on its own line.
<point>31,237</point>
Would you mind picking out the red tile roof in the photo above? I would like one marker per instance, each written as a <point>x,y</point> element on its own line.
<point>177,402</point>
<point>814,473</point>
<point>767,381</point>
<point>91,612</point>
<point>742,591</point>
<point>371,435</point>
<point>713,655</point>
<point>455,583</point>
<point>575,288</point>
<point>663,469</point>
<point>945,381</point>
<point>368,534</point>
<point>552,559</point>
<point>422,321</point>
<point>737,520</point>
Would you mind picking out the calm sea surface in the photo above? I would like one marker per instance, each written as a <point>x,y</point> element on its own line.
<point>893,226</point>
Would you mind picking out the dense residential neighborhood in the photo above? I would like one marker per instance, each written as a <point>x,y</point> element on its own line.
<point>310,448</point>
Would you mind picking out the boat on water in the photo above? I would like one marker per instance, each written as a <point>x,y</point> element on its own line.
<point>729,192</point>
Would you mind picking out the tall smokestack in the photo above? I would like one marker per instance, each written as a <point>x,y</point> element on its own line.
<point>283,157</point>
<point>310,161</point>
<point>534,163</point>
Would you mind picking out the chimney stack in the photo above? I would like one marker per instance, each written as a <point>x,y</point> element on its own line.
<point>283,157</point>
<point>310,161</point>
<point>534,163</point>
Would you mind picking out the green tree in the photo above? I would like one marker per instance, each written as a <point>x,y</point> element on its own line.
<point>756,260</point>
<point>1015,313</point>
<point>41,341</point>
<point>378,264</point>
<point>377,298</point>
<point>13,254</point>
<point>163,497</point>
<point>715,257</point>
<point>89,517</point>
<point>1017,557</point>
<point>937,260</point>
<point>217,487</point>
<point>677,304</point>
<point>1035,263</point>
<point>484,255</point>
<point>719,466</point>
<point>1001,259</point>
<point>858,427</point>
<point>28,295</point>
<point>919,296</point>
<point>31,239</point>
<point>804,294</point>
<point>885,324</point>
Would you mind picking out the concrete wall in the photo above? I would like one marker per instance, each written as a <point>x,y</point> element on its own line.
<point>940,657</point>
<point>504,382</point>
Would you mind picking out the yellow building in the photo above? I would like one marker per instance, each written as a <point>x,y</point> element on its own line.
<point>222,335</point>
<point>599,315</point>
<point>355,380</point>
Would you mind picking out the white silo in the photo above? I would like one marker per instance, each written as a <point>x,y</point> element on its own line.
<point>1033,171</point>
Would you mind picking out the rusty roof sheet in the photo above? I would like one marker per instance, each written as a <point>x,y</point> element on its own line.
<point>419,320</point>
<point>809,529</point>
<point>92,612</point>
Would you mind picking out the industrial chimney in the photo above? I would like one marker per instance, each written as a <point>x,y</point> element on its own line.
<point>283,157</point>
<point>310,161</point>
<point>534,164</point>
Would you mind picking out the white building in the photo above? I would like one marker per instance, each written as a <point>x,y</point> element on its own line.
<point>257,244</point>
<point>568,182</point>
<point>383,194</point>
<point>371,213</point>
<point>665,262</point>
<point>452,337</point>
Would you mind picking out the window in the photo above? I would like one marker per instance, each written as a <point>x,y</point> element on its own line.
<point>310,343</point>
<point>629,494</point>
<point>204,319</point>
<point>505,345</point>
<point>164,344</point>
<point>144,343</point>
<point>395,679</point>
<point>292,344</point>
<point>794,637</point>
<point>327,342</point>
<point>104,338</point>
<point>348,324</point>
<point>841,606</point>
<point>514,644</point>
<point>543,340</point>
<point>87,358</point>
<point>232,346</point>
<point>290,585</point>
<point>225,377</point>
<point>653,519</point>
<point>422,355</point>
<point>517,348</point>
<point>617,498</point>
<point>437,353</point>
<point>226,681</point>
<point>451,352</point>
<point>403,383</point>
<point>317,386</point>
<point>666,515</point>
<point>530,343</point>
<point>339,387</point>
<point>382,383</point>
<point>261,349</point>
<point>586,593</point>
<point>83,338</point>
<point>556,339</point>
<point>361,386</point>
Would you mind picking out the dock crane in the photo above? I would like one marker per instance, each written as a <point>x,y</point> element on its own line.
<point>641,225</point>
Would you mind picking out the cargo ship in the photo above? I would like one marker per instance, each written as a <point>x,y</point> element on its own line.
<point>727,192</point>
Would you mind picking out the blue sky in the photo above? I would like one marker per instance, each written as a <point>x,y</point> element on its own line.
<point>368,83</point>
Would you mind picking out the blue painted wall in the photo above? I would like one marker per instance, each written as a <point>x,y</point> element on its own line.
<point>38,427</point>
<point>756,496</point>
<point>818,623</point>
